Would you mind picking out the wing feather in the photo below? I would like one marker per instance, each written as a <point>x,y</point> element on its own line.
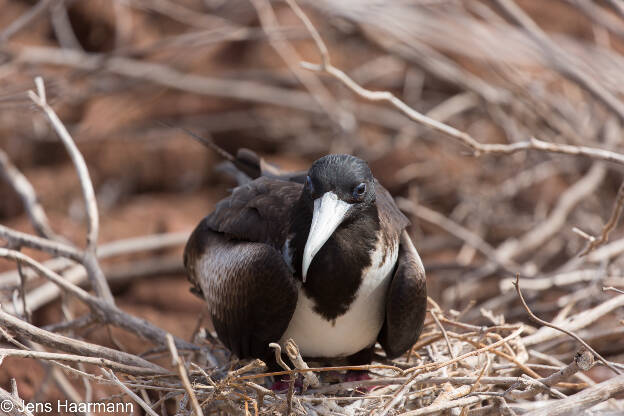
<point>406,304</point>
<point>233,259</point>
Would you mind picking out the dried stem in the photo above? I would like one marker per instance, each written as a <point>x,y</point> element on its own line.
<point>558,328</point>
<point>176,361</point>
<point>98,280</point>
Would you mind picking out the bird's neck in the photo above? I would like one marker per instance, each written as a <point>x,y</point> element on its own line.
<point>335,273</point>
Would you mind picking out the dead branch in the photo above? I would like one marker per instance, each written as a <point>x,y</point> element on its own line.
<point>582,400</point>
<point>583,361</point>
<point>80,358</point>
<point>24,189</point>
<point>25,19</point>
<point>104,311</point>
<point>111,376</point>
<point>618,205</point>
<point>462,137</point>
<point>309,80</point>
<point>176,361</point>
<point>309,378</point>
<point>17,408</point>
<point>561,60</point>
<point>558,328</point>
<point>613,289</point>
<point>74,346</point>
<point>55,248</point>
<point>581,320</point>
<point>98,280</point>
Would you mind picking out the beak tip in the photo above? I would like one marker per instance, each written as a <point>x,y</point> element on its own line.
<point>304,273</point>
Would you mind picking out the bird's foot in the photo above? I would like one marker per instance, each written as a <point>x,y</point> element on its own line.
<point>282,384</point>
<point>355,375</point>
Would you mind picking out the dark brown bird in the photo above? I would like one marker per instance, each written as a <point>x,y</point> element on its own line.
<point>326,262</point>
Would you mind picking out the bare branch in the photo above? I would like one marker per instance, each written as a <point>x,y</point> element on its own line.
<point>613,289</point>
<point>24,189</point>
<point>55,248</point>
<point>17,404</point>
<point>309,378</point>
<point>561,60</point>
<point>79,358</point>
<point>582,400</point>
<point>558,328</point>
<point>176,361</point>
<point>39,98</point>
<point>618,205</point>
<point>98,281</point>
<point>478,148</point>
<point>74,346</point>
<point>25,19</point>
<point>104,311</point>
<point>111,376</point>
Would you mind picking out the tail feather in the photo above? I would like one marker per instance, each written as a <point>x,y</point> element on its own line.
<point>246,165</point>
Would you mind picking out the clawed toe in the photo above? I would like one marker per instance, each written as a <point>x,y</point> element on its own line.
<point>282,383</point>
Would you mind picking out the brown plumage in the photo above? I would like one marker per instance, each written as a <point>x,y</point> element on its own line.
<point>246,257</point>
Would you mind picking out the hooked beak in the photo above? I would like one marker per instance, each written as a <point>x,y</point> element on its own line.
<point>329,212</point>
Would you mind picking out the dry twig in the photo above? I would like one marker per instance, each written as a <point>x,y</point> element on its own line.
<point>558,328</point>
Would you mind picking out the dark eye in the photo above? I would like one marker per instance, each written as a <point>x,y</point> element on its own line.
<point>308,184</point>
<point>359,190</point>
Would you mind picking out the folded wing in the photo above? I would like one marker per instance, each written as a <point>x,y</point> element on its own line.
<point>233,259</point>
<point>406,304</point>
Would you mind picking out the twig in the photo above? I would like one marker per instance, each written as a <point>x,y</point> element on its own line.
<point>575,322</point>
<point>456,230</point>
<point>106,250</point>
<point>25,19</point>
<point>290,56</point>
<point>292,376</point>
<point>179,365</point>
<point>613,289</point>
<point>558,328</point>
<point>17,408</point>
<point>25,190</point>
<point>582,400</point>
<point>618,205</point>
<point>309,378</point>
<point>546,229</point>
<point>437,408</point>
<point>111,376</point>
<point>583,361</point>
<point>400,393</point>
<point>477,147</point>
<point>90,260</point>
<point>75,346</point>
<point>74,358</point>
<point>444,334</point>
<point>55,248</point>
<point>561,60</point>
<point>104,311</point>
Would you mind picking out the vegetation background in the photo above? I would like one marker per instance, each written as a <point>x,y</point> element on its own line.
<point>116,70</point>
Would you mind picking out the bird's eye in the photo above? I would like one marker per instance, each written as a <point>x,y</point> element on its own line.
<point>359,190</point>
<point>308,184</point>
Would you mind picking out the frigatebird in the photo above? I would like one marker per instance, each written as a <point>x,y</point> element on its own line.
<point>321,257</point>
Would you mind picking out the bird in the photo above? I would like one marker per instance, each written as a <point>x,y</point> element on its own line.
<point>321,257</point>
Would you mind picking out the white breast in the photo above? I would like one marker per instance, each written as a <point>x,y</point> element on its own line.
<point>358,327</point>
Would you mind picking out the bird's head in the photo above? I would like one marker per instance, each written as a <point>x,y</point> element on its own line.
<point>336,188</point>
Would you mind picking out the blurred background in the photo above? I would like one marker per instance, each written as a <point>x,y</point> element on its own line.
<point>116,70</point>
